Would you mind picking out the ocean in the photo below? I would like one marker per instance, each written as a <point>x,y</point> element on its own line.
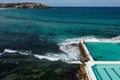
<point>53,34</point>
<point>49,37</point>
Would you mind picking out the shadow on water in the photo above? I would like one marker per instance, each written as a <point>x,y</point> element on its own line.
<point>27,41</point>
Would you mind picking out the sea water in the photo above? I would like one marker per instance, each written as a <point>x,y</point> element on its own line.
<point>104,51</point>
<point>106,71</point>
<point>54,33</point>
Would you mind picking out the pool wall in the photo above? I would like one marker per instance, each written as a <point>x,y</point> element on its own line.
<point>89,70</point>
<point>88,64</point>
<point>86,50</point>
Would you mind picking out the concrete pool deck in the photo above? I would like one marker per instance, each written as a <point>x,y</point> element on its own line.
<point>91,62</point>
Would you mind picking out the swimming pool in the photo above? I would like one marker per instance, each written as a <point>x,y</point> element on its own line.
<point>104,51</point>
<point>107,71</point>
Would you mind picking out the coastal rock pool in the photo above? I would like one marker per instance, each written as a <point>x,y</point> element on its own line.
<point>107,71</point>
<point>104,51</point>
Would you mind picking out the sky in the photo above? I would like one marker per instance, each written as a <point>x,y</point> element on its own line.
<point>70,2</point>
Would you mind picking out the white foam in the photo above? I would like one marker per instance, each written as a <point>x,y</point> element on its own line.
<point>70,49</point>
<point>9,51</point>
<point>23,53</point>
<point>116,38</point>
<point>55,57</point>
<point>15,51</point>
<point>70,54</point>
<point>47,57</point>
<point>74,62</point>
<point>93,39</point>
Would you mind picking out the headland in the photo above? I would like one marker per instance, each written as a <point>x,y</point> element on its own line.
<point>23,5</point>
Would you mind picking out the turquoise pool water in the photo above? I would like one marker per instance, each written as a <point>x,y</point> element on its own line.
<point>107,72</point>
<point>104,51</point>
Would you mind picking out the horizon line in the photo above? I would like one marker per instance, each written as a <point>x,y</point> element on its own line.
<point>63,5</point>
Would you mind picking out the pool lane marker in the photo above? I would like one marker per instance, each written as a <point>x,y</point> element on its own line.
<point>107,73</point>
<point>115,72</point>
<point>98,74</point>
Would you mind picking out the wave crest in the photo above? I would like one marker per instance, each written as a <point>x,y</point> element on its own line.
<point>15,51</point>
<point>92,39</point>
<point>69,48</point>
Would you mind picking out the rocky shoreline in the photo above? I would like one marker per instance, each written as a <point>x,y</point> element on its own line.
<point>23,5</point>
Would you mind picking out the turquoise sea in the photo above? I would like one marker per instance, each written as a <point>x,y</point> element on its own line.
<point>53,34</point>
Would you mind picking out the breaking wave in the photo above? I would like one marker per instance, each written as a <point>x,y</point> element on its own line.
<point>70,54</point>
<point>93,39</point>
<point>70,50</point>
<point>16,51</point>
<point>116,38</point>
